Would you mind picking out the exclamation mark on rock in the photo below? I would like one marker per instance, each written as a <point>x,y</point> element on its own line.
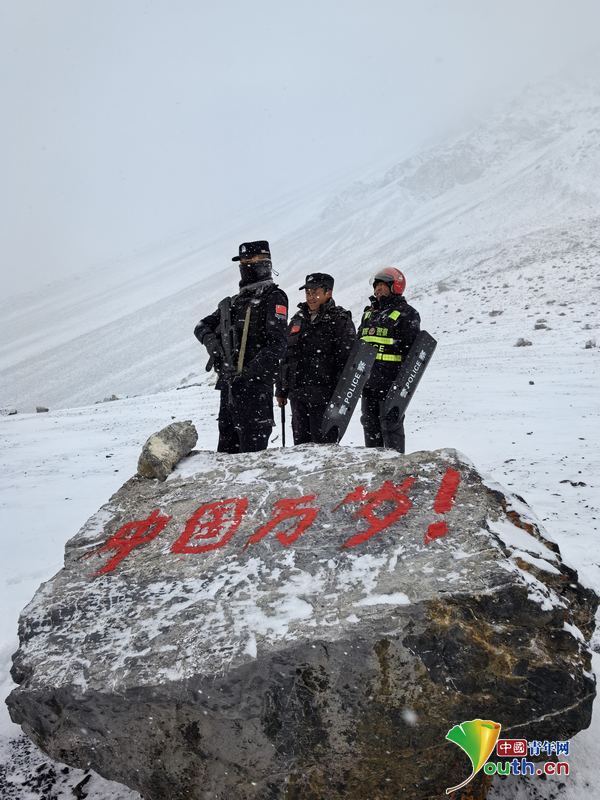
<point>442,503</point>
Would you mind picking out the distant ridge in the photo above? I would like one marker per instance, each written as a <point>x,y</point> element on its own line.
<point>517,192</point>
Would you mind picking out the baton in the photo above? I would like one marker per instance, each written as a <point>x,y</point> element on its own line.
<point>283,426</point>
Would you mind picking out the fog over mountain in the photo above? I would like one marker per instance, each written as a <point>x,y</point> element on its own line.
<point>127,123</point>
<point>512,199</point>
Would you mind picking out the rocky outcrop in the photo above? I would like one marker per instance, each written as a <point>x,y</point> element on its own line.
<point>165,449</point>
<point>303,624</point>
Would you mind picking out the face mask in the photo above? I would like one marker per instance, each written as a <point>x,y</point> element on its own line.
<point>257,271</point>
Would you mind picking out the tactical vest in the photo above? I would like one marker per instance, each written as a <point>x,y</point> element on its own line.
<point>257,329</point>
<point>380,334</point>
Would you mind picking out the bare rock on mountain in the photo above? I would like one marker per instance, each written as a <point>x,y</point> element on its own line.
<point>110,399</point>
<point>304,624</point>
<point>165,449</point>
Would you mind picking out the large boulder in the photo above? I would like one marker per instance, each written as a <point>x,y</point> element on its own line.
<point>302,624</point>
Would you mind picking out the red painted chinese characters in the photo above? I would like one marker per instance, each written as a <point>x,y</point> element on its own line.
<point>214,518</point>
<point>129,536</point>
<point>288,509</point>
<point>213,525</point>
<point>373,499</point>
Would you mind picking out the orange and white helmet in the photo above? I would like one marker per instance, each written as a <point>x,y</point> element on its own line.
<point>392,277</point>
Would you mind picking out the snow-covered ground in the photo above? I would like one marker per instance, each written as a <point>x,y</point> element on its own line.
<point>538,439</point>
<point>499,235</point>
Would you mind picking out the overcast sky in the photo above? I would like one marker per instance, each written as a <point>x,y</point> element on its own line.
<point>127,121</point>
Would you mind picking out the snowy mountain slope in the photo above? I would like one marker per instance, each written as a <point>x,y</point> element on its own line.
<point>511,250</point>
<point>520,188</point>
<point>536,168</point>
<point>63,310</point>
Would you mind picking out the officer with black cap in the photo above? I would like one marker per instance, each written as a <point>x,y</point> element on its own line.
<point>390,325</point>
<point>321,335</point>
<point>259,327</point>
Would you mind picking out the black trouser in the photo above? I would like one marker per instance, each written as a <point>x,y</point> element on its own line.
<point>245,421</point>
<point>380,431</point>
<point>307,417</point>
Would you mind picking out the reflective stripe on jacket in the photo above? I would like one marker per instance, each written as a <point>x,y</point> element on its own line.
<point>390,325</point>
<point>388,348</point>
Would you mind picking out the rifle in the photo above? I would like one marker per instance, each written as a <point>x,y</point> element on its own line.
<point>228,340</point>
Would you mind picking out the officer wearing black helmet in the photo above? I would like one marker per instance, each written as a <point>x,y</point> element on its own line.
<point>321,335</point>
<point>259,336</point>
<point>391,325</point>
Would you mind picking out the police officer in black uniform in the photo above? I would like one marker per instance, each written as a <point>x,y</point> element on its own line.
<point>321,335</point>
<point>246,385</point>
<point>391,326</point>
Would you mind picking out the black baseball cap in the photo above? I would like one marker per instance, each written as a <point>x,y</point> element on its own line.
<point>318,279</point>
<point>250,249</point>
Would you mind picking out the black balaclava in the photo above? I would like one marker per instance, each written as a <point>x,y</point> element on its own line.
<point>255,272</point>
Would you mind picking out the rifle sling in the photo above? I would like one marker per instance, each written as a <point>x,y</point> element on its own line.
<point>240,363</point>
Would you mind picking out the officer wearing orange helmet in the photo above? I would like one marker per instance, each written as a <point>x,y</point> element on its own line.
<point>390,325</point>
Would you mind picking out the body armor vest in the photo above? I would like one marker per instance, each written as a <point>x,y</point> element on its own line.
<point>377,329</point>
<point>257,329</point>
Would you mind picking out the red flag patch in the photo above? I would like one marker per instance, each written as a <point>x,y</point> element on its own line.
<point>281,310</point>
<point>295,329</point>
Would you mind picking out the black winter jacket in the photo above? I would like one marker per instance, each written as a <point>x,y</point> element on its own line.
<point>316,352</point>
<point>267,333</point>
<point>391,325</point>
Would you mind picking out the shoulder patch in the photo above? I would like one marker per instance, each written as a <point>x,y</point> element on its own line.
<point>281,310</point>
<point>295,329</point>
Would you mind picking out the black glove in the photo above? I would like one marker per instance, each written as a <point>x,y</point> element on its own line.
<point>231,375</point>
<point>213,344</point>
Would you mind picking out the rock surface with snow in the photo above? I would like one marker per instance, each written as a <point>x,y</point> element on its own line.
<point>302,623</point>
<point>163,450</point>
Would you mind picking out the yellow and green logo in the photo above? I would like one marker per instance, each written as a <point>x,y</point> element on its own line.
<point>477,738</point>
